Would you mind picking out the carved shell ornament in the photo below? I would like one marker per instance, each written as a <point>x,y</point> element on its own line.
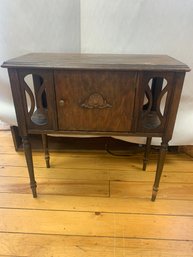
<point>95,101</point>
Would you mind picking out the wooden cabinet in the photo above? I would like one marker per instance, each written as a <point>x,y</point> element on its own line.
<point>130,95</point>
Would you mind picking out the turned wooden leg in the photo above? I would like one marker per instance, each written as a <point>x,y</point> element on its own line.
<point>46,152</point>
<point>160,164</point>
<point>147,151</point>
<point>28,156</point>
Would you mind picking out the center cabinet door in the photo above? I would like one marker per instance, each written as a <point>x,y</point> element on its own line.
<point>95,100</point>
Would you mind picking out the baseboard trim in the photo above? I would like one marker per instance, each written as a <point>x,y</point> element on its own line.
<point>188,149</point>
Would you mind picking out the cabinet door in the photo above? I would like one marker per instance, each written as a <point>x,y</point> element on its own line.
<point>95,100</point>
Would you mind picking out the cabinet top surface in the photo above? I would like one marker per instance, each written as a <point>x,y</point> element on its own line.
<point>97,61</point>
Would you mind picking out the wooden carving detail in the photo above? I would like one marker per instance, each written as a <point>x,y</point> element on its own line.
<point>35,89</point>
<point>163,93</point>
<point>147,106</point>
<point>155,90</point>
<point>31,99</point>
<point>95,101</point>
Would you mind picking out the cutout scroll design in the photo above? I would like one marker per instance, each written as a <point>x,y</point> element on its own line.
<point>154,105</point>
<point>36,100</point>
<point>95,101</point>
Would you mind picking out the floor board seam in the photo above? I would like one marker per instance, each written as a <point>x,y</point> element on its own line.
<point>94,236</point>
<point>102,212</point>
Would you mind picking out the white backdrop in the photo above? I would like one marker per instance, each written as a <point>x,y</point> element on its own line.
<point>145,26</point>
<point>100,26</point>
<point>34,26</point>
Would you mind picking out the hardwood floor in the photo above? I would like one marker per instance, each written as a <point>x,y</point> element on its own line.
<point>94,204</point>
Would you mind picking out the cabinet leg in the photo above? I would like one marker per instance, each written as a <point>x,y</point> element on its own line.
<point>160,164</point>
<point>147,151</point>
<point>46,151</point>
<point>29,161</point>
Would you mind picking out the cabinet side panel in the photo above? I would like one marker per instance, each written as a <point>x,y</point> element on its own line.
<point>154,96</point>
<point>38,96</point>
<point>174,103</point>
<point>18,103</point>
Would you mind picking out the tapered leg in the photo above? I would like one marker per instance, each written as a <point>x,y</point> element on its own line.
<point>28,156</point>
<point>147,151</point>
<point>46,152</point>
<point>160,164</point>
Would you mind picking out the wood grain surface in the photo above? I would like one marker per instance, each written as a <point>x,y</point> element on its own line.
<point>97,61</point>
<point>94,204</point>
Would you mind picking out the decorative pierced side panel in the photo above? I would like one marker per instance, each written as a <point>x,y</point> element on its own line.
<point>36,99</point>
<point>38,96</point>
<point>154,101</point>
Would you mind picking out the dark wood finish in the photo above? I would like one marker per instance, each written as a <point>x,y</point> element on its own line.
<point>63,143</point>
<point>46,151</point>
<point>97,62</point>
<point>97,95</point>
<point>29,160</point>
<point>17,140</point>
<point>17,96</point>
<point>152,120</point>
<point>88,100</point>
<point>147,152</point>
<point>173,105</point>
<point>48,113</point>
<point>160,164</point>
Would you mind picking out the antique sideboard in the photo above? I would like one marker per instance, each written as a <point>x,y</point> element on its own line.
<point>103,94</point>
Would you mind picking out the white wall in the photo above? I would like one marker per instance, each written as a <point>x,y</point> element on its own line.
<point>34,26</point>
<point>145,26</point>
<point>107,26</point>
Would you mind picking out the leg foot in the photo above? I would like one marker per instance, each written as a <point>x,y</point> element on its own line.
<point>33,189</point>
<point>29,161</point>
<point>154,194</point>
<point>46,152</point>
<point>160,164</point>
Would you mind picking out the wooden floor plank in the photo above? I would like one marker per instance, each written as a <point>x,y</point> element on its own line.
<point>10,256</point>
<point>96,224</point>
<point>28,245</point>
<point>57,173</point>
<point>143,190</point>
<point>97,174</point>
<point>56,186</point>
<point>74,216</point>
<point>6,140</point>
<point>97,188</point>
<point>96,204</point>
<point>97,162</point>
